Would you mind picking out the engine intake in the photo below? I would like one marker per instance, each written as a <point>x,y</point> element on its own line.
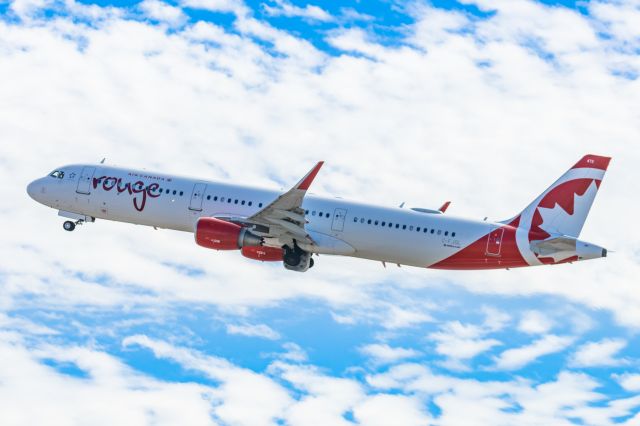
<point>222,235</point>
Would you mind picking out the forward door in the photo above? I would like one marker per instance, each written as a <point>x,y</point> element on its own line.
<point>84,184</point>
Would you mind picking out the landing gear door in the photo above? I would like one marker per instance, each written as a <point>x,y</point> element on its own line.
<point>84,184</point>
<point>197,196</point>
<point>494,242</point>
<point>338,220</point>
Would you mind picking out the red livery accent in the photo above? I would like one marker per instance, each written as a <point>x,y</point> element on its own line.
<point>445,206</point>
<point>217,234</point>
<point>306,181</point>
<point>265,254</point>
<point>593,162</point>
<point>562,195</point>
<point>497,249</point>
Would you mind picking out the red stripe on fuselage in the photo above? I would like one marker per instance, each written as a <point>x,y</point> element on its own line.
<point>475,255</point>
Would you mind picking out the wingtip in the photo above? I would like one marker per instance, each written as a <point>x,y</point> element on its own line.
<point>306,181</point>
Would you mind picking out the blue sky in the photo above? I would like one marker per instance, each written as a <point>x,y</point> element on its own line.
<point>481,102</point>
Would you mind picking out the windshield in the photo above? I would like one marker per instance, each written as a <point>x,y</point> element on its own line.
<point>57,174</point>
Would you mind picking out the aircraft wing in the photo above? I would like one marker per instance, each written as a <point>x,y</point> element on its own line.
<point>285,217</point>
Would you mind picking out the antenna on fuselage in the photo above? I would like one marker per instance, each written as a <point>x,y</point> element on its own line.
<point>102,161</point>
<point>401,205</point>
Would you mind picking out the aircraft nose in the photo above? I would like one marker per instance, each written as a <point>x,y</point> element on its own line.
<point>32,189</point>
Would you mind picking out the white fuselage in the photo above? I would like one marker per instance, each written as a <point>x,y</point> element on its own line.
<point>395,235</point>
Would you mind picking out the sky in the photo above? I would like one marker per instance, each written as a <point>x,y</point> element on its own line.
<point>481,102</point>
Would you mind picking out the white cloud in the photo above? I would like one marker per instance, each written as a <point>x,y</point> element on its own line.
<point>382,353</point>
<point>294,352</point>
<point>535,322</point>
<point>599,354</point>
<point>630,382</point>
<point>257,330</point>
<point>240,388</point>
<point>460,342</point>
<point>516,358</point>
<point>162,11</point>
<point>233,6</point>
<point>32,392</point>
<point>568,398</point>
<point>286,8</point>
<point>385,410</point>
<point>25,8</point>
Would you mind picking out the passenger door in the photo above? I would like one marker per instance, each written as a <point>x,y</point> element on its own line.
<point>494,242</point>
<point>84,183</point>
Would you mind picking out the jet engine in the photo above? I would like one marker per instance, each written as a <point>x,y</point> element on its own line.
<point>222,235</point>
<point>263,253</point>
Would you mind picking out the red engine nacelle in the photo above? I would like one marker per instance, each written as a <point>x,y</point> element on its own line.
<point>263,253</point>
<point>222,235</point>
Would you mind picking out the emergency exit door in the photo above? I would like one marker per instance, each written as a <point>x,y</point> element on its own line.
<point>338,219</point>
<point>196,196</point>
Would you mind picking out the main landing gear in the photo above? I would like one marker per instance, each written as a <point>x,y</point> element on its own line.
<point>296,259</point>
<point>70,226</point>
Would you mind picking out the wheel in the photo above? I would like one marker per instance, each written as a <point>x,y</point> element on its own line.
<point>69,226</point>
<point>310,263</point>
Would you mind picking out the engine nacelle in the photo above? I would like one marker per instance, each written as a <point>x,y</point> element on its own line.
<point>263,253</point>
<point>222,235</point>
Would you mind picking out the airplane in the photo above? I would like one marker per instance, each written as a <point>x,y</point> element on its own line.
<point>291,226</point>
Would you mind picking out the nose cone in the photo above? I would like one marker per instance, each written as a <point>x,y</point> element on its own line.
<point>33,189</point>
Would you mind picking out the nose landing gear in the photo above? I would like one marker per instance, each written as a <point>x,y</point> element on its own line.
<point>70,226</point>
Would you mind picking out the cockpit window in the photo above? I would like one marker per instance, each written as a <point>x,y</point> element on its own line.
<point>57,174</point>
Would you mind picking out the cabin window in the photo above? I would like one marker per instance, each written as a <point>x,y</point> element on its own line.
<point>411,228</point>
<point>418,229</point>
<point>181,192</point>
<point>369,222</point>
<point>439,232</point>
<point>397,225</point>
<point>260,205</point>
<point>375,223</point>
<point>425,230</point>
<point>313,213</point>
<point>384,223</point>
<point>306,212</point>
<point>404,226</point>
<point>229,200</point>
<point>208,197</point>
<point>390,225</point>
<point>250,202</point>
<point>175,192</point>
<point>242,202</point>
<point>446,233</point>
<point>453,234</point>
<point>355,219</point>
<point>215,198</point>
<point>235,202</point>
<point>362,220</point>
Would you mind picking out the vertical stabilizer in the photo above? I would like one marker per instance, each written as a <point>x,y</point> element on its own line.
<point>563,208</point>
